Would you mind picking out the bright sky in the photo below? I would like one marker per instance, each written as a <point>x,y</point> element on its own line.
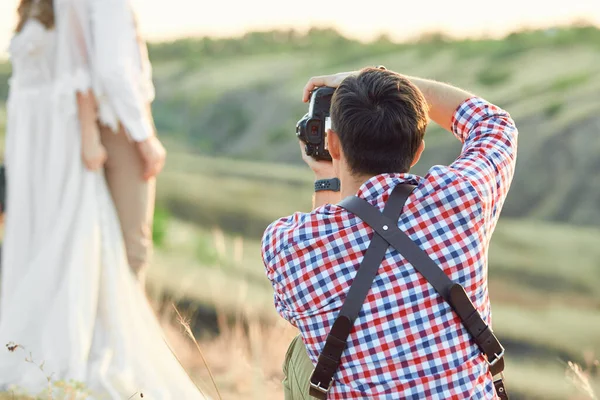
<point>167,19</point>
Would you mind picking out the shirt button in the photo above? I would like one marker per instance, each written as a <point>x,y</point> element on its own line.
<point>385,227</point>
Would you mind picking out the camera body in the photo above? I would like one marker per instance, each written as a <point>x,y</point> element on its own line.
<point>312,128</point>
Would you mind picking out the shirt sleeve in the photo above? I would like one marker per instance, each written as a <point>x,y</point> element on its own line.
<point>72,48</point>
<point>278,237</point>
<point>489,152</point>
<point>119,65</point>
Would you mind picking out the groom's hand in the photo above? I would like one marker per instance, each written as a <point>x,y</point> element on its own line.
<point>154,154</point>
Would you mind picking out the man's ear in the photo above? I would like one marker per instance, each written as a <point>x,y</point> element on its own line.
<point>418,154</point>
<point>333,144</point>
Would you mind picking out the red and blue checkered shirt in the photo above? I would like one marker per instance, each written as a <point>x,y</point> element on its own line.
<point>406,343</point>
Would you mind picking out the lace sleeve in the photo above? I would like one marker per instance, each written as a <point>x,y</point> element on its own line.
<point>73,72</point>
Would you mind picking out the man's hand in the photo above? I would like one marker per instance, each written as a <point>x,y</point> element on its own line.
<point>325,80</point>
<point>153,153</point>
<point>443,99</point>
<point>322,169</point>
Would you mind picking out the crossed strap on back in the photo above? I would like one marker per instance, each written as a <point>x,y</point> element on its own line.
<point>387,233</point>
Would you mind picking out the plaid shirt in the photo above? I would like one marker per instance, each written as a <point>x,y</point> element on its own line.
<point>406,343</point>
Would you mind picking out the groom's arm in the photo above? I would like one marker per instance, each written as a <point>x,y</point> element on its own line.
<point>125,72</point>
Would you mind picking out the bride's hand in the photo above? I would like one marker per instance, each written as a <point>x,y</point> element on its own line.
<point>93,152</point>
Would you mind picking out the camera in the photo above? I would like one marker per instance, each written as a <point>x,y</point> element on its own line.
<point>312,128</point>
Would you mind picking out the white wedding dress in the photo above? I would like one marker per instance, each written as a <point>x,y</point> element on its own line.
<point>67,294</point>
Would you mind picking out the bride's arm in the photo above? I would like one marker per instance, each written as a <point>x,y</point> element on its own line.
<point>73,54</point>
<point>93,152</point>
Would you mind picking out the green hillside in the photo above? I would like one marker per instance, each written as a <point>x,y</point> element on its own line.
<point>241,98</point>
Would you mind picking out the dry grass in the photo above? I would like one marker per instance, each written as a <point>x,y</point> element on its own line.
<point>55,389</point>
<point>245,361</point>
<point>246,357</point>
<point>188,330</point>
<point>582,378</point>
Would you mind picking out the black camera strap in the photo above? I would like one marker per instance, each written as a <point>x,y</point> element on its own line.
<point>387,233</point>
<point>335,344</point>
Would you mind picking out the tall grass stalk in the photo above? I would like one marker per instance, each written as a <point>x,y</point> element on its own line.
<point>580,379</point>
<point>188,331</point>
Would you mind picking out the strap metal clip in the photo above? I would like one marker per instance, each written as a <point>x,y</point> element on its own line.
<point>497,357</point>
<point>317,386</point>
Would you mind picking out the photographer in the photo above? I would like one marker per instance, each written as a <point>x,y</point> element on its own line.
<point>406,342</point>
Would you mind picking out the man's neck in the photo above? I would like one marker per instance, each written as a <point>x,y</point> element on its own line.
<point>351,184</point>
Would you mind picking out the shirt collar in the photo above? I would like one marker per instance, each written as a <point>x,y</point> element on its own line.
<point>376,186</point>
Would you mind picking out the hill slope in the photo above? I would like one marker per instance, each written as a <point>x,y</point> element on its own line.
<point>241,98</point>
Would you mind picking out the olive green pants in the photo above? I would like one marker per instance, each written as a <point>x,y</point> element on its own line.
<point>297,368</point>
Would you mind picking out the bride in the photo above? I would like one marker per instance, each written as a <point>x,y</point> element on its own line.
<point>67,294</point>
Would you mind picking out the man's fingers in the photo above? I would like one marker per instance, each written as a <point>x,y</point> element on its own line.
<point>160,164</point>
<point>153,169</point>
<point>302,149</point>
<point>313,82</point>
<point>324,80</point>
<point>149,171</point>
<point>91,165</point>
<point>154,163</point>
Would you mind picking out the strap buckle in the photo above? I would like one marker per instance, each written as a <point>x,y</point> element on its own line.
<point>497,357</point>
<point>317,386</point>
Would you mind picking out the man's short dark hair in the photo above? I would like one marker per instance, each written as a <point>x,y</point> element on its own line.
<point>380,118</point>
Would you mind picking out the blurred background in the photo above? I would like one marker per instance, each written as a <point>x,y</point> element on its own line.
<point>228,80</point>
